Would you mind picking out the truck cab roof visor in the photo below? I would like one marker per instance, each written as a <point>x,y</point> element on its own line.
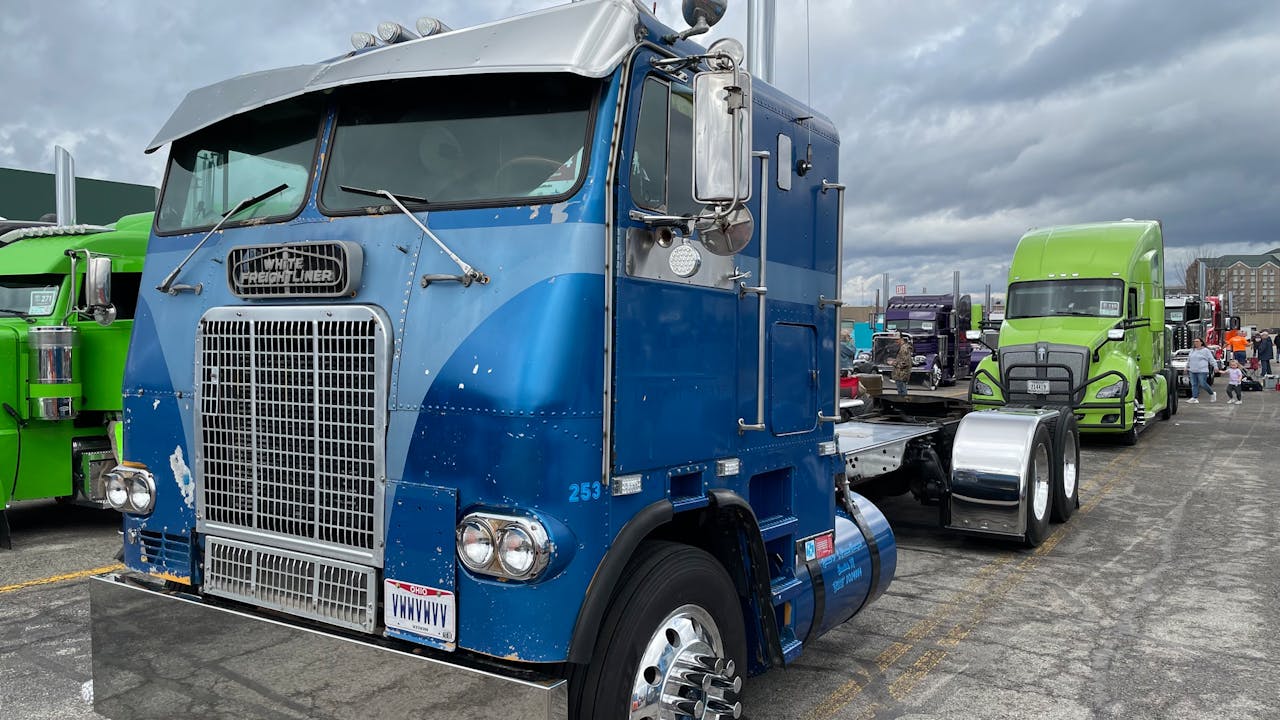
<point>584,38</point>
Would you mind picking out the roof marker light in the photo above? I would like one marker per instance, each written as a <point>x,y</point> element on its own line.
<point>393,32</point>
<point>428,26</point>
<point>362,40</point>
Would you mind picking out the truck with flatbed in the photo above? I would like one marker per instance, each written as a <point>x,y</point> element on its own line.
<point>1084,329</point>
<point>489,408</point>
<point>60,365</point>
<point>937,325</point>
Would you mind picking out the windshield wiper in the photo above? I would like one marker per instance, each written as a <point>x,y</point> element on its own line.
<point>1074,313</point>
<point>167,285</point>
<point>16,313</point>
<point>469,274</point>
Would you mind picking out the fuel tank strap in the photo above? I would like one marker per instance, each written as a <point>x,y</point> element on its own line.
<point>868,535</point>
<point>819,597</point>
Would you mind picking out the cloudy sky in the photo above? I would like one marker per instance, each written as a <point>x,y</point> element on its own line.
<point>963,122</point>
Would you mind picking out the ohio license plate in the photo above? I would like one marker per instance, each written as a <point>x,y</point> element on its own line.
<point>420,610</point>
<point>1038,387</point>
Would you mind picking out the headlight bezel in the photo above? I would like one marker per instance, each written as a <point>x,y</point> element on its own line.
<point>983,389</point>
<point>1117,389</point>
<point>498,526</point>
<point>131,480</point>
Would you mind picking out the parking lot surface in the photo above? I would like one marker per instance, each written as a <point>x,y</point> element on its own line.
<point>1159,599</point>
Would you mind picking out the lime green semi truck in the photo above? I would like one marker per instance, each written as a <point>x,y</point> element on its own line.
<point>1084,327</point>
<point>67,297</point>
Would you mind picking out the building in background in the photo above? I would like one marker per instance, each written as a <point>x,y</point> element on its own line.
<point>29,195</point>
<point>1253,281</point>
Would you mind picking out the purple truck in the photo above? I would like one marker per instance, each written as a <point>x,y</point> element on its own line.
<point>936,324</point>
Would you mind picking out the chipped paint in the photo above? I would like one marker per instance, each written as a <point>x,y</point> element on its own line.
<point>170,577</point>
<point>462,386</point>
<point>558,214</point>
<point>182,476</point>
<point>475,368</point>
<point>534,214</point>
<point>155,404</point>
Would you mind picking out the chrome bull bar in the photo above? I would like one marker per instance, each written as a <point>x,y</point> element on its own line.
<point>161,655</point>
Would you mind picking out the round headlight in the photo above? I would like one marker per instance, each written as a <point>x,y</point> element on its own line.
<point>117,492</point>
<point>516,551</point>
<point>140,494</point>
<point>475,545</point>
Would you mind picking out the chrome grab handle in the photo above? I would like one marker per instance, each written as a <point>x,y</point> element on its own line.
<point>759,291</point>
<point>823,302</point>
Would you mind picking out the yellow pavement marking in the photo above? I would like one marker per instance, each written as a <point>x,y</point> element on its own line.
<point>52,579</point>
<point>982,581</point>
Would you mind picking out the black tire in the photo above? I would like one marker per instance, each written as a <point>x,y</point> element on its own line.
<point>1039,485</point>
<point>660,579</point>
<point>1171,408</point>
<point>1129,437</point>
<point>1066,469</point>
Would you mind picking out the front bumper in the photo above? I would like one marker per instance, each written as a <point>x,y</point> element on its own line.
<point>161,655</point>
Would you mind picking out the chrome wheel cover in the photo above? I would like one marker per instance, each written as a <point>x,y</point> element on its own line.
<point>683,672</point>
<point>1069,471</point>
<point>1040,482</point>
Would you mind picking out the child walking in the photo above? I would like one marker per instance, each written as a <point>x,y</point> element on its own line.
<point>1234,376</point>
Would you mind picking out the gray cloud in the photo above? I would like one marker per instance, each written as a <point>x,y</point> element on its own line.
<point>963,122</point>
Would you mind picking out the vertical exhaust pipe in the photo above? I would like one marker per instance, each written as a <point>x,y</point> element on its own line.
<point>956,331</point>
<point>761,19</point>
<point>64,180</point>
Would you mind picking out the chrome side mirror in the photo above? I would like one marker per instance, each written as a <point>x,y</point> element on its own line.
<point>972,335</point>
<point>722,138</point>
<point>1115,334</point>
<point>97,290</point>
<point>728,234</point>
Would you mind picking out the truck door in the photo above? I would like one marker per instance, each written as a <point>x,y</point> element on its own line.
<point>676,310</point>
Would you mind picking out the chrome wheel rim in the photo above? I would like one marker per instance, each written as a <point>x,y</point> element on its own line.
<point>683,672</point>
<point>1040,483</point>
<point>1069,465</point>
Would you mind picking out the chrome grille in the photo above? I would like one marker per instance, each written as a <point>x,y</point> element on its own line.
<point>330,591</point>
<point>1019,364</point>
<point>292,426</point>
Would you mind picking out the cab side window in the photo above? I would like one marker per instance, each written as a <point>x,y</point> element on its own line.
<point>662,160</point>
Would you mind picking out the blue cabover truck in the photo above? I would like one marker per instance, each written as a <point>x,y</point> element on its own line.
<point>486,373</point>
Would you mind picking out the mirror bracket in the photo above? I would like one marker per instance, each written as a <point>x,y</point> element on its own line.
<point>824,301</point>
<point>656,220</point>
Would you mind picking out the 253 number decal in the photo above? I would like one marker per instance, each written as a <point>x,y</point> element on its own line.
<point>583,492</point>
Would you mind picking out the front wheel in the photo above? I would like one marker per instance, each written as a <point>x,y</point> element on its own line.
<point>934,378</point>
<point>671,645</point>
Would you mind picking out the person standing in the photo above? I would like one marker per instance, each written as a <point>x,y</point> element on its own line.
<point>1234,377</point>
<point>902,365</point>
<point>1265,348</point>
<point>1199,364</point>
<point>1238,344</point>
<point>848,353</point>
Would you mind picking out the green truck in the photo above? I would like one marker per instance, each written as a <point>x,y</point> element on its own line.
<point>67,298</point>
<point>1084,327</point>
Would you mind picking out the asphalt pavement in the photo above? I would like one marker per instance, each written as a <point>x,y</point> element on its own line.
<point>1159,599</point>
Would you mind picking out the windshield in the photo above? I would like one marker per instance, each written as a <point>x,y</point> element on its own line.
<point>242,156</point>
<point>467,140</point>
<point>1189,313</point>
<point>921,325</point>
<point>30,295</point>
<point>1051,298</point>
